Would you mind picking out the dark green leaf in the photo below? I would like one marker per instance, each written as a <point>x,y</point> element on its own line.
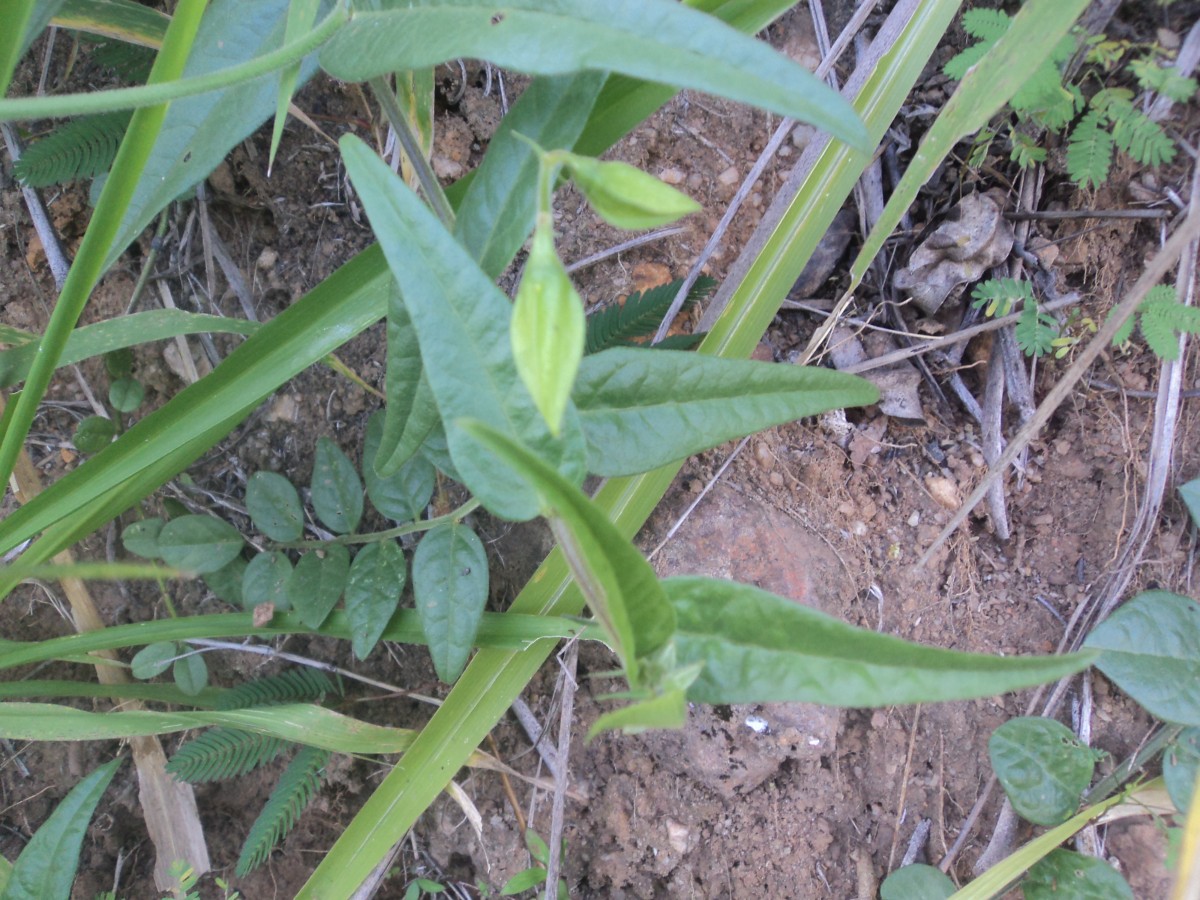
<point>450,587</point>
<point>337,492</point>
<point>297,685</point>
<point>46,867</point>
<point>758,647</point>
<point>918,880</point>
<point>126,394</point>
<point>198,543</point>
<point>190,672</point>
<point>643,409</point>
<point>639,316</point>
<point>317,582</point>
<point>266,581</point>
<point>141,538</point>
<point>221,753</point>
<point>461,319</point>
<point>436,449</point>
<point>651,39</point>
<point>404,495</point>
<point>274,506</point>
<point>1181,764</point>
<point>1151,648</point>
<point>153,659</point>
<point>411,412</point>
<point>1042,766</point>
<point>226,582</point>
<point>119,363</point>
<point>377,577</point>
<point>94,434</point>
<point>82,148</point>
<point>1065,875</point>
<point>1190,494</point>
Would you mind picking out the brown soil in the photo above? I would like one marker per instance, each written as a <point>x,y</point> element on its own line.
<point>819,802</point>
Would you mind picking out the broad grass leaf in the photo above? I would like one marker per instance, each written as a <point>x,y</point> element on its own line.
<point>917,880</point>
<point>274,506</point>
<point>376,579</point>
<point>620,586</point>
<point>337,491</point>
<point>643,408</point>
<point>198,543</point>
<point>317,582</point>
<point>656,40</point>
<point>266,581</point>
<point>403,495</point>
<point>759,647</point>
<point>141,538</point>
<point>190,672</point>
<point>226,582</point>
<point>411,412</point>
<point>1066,874</point>
<point>450,590</point>
<point>46,867</point>
<point>153,659</point>
<point>1042,766</point>
<point>462,320</point>
<point>1150,648</point>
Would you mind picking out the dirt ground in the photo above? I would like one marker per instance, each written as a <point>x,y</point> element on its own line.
<point>783,800</point>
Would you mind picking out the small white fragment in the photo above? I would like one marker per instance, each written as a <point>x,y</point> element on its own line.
<point>677,836</point>
<point>915,519</point>
<point>757,724</point>
<point>671,175</point>
<point>729,176</point>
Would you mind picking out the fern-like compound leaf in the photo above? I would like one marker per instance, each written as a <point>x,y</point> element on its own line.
<point>1143,139</point>
<point>997,295</point>
<point>986,24</point>
<point>1036,330</point>
<point>295,790</point>
<point>1163,79</point>
<point>83,148</point>
<point>299,685</point>
<point>221,753</point>
<point>1089,153</point>
<point>639,316</point>
<point>1162,318</point>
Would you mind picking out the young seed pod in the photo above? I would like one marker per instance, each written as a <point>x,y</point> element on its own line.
<point>627,197</point>
<point>547,330</point>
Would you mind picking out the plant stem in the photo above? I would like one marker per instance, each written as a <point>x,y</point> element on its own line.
<point>165,91</point>
<point>449,518</point>
<point>430,186</point>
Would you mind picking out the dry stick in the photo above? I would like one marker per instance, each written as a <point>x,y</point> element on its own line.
<point>703,493</point>
<point>1154,272</point>
<point>768,153</point>
<point>557,809</point>
<point>638,241</point>
<point>37,213</point>
<point>904,778</point>
<point>1057,214</point>
<point>993,440</point>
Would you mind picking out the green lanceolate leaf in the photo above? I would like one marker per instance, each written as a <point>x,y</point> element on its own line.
<point>373,588</point>
<point>141,538</point>
<point>450,589</point>
<point>642,408</point>
<point>226,582</point>
<point>46,867</point>
<point>274,506</point>
<point>266,580</point>
<point>758,647</point>
<point>1151,648</point>
<point>411,412</point>
<point>652,39</point>
<point>498,210</point>
<point>461,319</point>
<point>153,659</point>
<point>1190,494</point>
<point>317,582</point>
<point>1063,874</point>
<point>300,18</point>
<point>627,197</point>
<point>1042,766</point>
<point>337,491</point>
<point>665,710</point>
<point>621,588</point>
<point>547,330</point>
<point>918,880</point>
<point>403,495</point>
<point>1181,767</point>
<point>198,543</point>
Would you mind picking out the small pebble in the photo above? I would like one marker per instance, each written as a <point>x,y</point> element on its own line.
<point>914,520</point>
<point>671,176</point>
<point>729,176</point>
<point>802,135</point>
<point>266,260</point>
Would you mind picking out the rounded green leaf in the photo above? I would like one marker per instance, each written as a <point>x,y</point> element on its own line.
<point>126,394</point>
<point>119,362</point>
<point>337,492</point>
<point>141,538</point>
<point>377,577</point>
<point>191,673</point>
<point>1063,874</point>
<point>226,582</point>
<point>1151,648</point>
<point>450,586</point>
<point>548,330</point>
<point>94,434</point>
<point>274,506</point>
<point>1181,766</point>
<point>627,197</point>
<point>153,659</point>
<point>926,882</point>
<point>1042,766</point>
<point>266,581</point>
<point>404,494</point>
<point>317,582</point>
<point>198,543</point>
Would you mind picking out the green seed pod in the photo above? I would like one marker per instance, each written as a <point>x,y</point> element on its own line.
<point>628,197</point>
<point>547,330</point>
